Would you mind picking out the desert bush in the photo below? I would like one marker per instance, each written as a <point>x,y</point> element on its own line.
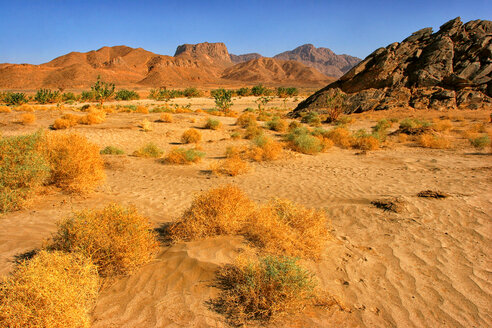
<point>223,99</point>
<point>286,92</point>
<point>245,120</point>
<point>23,170</point>
<point>87,96</point>
<point>414,126</point>
<point>142,109</point>
<point>53,289</point>
<point>5,109</point>
<point>102,90</point>
<point>382,126</point>
<point>480,142</point>
<point>191,136</point>
<point>219,211</point>
<point>302,141</point>
<point>235,135</point>
<point>149,150</point>
<point>252,132</point>
<point>117,239</point>
<point>94,116</point>
<point>311,118</point>
<point>24,108</point>
<point>344,120</point>
<point>166,118</point>
<point>183,156</point>
<point>442,125</point>
<point>126,95</point>
<point>263,289</point>
<point>428,140</point>
<point>231,166</point>
<point>15,98</point>
<point>341,137</point>
<point>277,124</point>
<point>258,90</point>
<point>191,92</point>
<point>213,124</point>
<point>69,96</point>
<point>264,149</point>
<point>46,96</point>
<point>365,141</point>
<point>61,123</point>
<point>243,92</point>
<point>75,163</point>
<point>27,118</point>
<point>146,125</point>
<point>111,150</point>
<point>163,94</point>
<point>335,106</point>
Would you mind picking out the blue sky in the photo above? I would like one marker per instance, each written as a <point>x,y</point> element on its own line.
<point>37,31</point>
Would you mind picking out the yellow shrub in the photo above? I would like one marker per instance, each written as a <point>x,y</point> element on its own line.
<point>76,164</point>
<point>27,118</point>
<point>220,211</point>
<point>246,120</point>
<point>166,118</point>
<point>183,156</point>
<point>402,137</point>
<point>61,123</point>
<point>442,125</point>
<point>93,117</point>
<point>231,166</point>
<point>366,143</point>
<point>5,109</point>
<point>341,137</point>
<point>427,140</point>
<point>191,136</point>
<point>285,228</point>
<point>142,109</point>
<point>146,126</point>
<point>117,239</point>
<point>264,149</point>
<point>25,108</point>
<point>55,290</point>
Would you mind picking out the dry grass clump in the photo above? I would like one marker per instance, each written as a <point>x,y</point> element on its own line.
<point>480,142</point>
<point>263,289</point>
<point>93,117</point>
<point>27,118</point>
<point>146,125</point>
<point>53,289</point>
<point>183,156</point>
<point>282,227</point>
<point>402,137</point>
<point>5,109</point>
<point>252,132</point>
<point>142,109</point>
<point>166,118</point>
<point>76,164</point>
<point>117,239</point>
<point>220,211</point>
<point>301,140</point>
<point>245,120</point>
<point>264,149</point>
<point>25,108</point>
<point>442,125</point>
<point>231,166</point>
<point>111,150</point>
<point>191,136</point>
<point>23,170</point>
<point>149,150</point>
<point>341,137</point>
<point>213,124</point>
<point>277,124</point>
<point>364,141</point>
<point>428,140</point>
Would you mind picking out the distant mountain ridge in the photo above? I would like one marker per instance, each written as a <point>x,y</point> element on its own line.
<point>202,64</point>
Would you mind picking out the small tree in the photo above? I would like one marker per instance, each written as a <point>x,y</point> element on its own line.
<point>334,106</point>
<point>262,102</point>
<point>223,99</point>
<point>102,90</point>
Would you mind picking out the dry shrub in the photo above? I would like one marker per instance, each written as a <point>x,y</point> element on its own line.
<point>282,227</point>
<point>149,150</point>
<point>76,164</point>
<point>264,149</point>
<point>480,142</point>
<point>231,166</point>
<point>23,170</point>
<point>428,140</point>
<point>27,118</point>
<point>302,141</point>
<point>341,137</point>
<point>442,125</point>
<point>61,123</point>
<point>166,118</point>
<point>402,137</point>
<point>93,117</point>
<point>213,124</point>
<point>325,143</point>
<point>142,109</point>
<point>183,110</point>
<point>245,120</point>
<point>183,156</point>
<point>5,109</point>
<point>277,124</point>
<point>55,290</point>
<point>253,131</point>
<point>25,108</point>
<point>191,136</point>
<point>117,239</point>
<point>146,125</point>
<point>366,142</point>
<point>219,211</point>
<point>263,289</point>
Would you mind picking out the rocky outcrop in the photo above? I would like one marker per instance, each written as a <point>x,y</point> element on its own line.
<point>323,59</point>
<point>215,53</point>
<point>447,69</point>
<point>236,59</point>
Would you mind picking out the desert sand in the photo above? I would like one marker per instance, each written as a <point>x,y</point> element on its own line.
<point>427,266</point>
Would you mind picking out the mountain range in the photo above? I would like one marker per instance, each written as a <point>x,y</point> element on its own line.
<point>202,64</point>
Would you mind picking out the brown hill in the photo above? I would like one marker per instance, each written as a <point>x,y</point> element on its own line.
<point>447,69</point>
<point>201,65</point>
<point>323,59</point>
<point>270,70</point>
<point>236,59</point>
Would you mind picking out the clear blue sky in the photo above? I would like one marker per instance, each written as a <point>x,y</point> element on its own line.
<point>37,31</point>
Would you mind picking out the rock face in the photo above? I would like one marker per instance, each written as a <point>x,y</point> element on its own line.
<point>236,59</point>
<point>215,53</point>
<point>323,59</point>
<point>447,69</point>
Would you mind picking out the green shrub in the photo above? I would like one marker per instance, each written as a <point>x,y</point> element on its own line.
<point>277,124</point>
<point>87,96</point>
<point>213,124</point>
<point>69,96</point>
<point>183,156</point>
<point>102,90</point>
<point>111,150</point>
<point>311,118</point>
<point>149,150</point>
<point>14,98</point>
<point>22,170</point>
<point>258,90</point>
<point>306,144</point>
<point>46,96</point>
<point>191,92</point>
<point>126,95</point>
<point>414,126</point>
<point>243,92</point>
<point>264,289</point>
<point>480,142</point>
<point>223,99</point>
<point>164,94</point>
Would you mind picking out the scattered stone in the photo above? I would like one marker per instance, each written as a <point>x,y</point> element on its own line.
<point>432,194</point>
<point>394,205</point>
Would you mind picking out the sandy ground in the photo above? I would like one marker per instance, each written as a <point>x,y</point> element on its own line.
<point>428,266</point>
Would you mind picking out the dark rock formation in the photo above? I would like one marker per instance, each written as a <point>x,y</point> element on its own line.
<point>447,69</point>
<point>323,59</point>
<point>236,59</point>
